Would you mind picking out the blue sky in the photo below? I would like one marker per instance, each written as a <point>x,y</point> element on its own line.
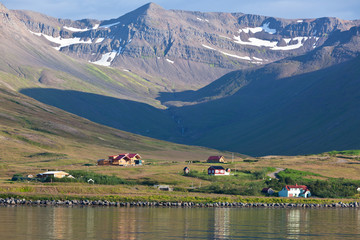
<point>107,9</point>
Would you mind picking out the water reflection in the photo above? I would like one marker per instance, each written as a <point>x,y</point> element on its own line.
<point>222,223</point>
<point>177,223</point>
<point>297,223</point>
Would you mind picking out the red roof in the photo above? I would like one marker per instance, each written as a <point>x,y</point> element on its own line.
<point>296,186</point>
<point>132,155</point>
<point>118,157</point>
<point>215,157</point>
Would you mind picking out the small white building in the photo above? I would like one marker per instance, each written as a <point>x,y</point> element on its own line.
<point>295,191</point>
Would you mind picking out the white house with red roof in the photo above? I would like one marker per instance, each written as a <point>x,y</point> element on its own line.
<point>295,191</point>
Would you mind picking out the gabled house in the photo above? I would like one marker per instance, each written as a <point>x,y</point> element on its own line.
<point>136,158</point>
<point>218,171</point>
<point>54,174</point>
<point>216,159</point>
<point>124,159</point>
<point>295,191</point>
<point>121,160</point>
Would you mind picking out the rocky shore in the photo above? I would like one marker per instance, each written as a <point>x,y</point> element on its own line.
<point>15,202</point>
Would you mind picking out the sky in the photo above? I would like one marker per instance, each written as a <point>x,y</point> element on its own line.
<point>108,9</point>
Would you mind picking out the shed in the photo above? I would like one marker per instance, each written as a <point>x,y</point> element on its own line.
<point>268,191</point>
<point>103,162</point>
<point>163,187</point>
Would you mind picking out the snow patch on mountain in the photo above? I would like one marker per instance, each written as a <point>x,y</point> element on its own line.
<point>109,25</point>
<point>255,42</point>
<point>228,54</point>
<point>208,47</point>
<point>202,20</point>
<point>76,29</point>
<point>273,44</point>
<point>300,43</point>
<point>63,42</point>
<point>264,27</point>
<point>236,56</point>
<point>99,40</point>
<point>106,59</point>
<point>257,59</point>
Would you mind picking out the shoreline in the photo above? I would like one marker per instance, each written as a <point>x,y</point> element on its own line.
<point>105,203</point>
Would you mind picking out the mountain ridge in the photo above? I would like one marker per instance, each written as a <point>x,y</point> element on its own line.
<point>188,49</point>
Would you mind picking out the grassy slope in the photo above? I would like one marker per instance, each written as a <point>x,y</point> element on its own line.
<point>35,136</point>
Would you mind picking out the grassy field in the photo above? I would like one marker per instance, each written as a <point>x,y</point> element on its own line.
<point>170,171</point>
<point>35,137</point>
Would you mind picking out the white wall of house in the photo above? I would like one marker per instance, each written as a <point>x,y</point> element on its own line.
<point>293,192</point>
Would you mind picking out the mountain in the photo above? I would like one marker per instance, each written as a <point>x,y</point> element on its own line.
<point>241,82</point>
<point>185,49</point>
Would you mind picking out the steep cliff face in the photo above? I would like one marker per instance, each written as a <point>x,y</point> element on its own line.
<point>188,49</point>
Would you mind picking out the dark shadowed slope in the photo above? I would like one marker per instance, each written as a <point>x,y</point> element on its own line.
<point>122,114</point>
<point>308,113</point>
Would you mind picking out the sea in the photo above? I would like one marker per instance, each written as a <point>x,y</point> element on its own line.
<point>40,222</point>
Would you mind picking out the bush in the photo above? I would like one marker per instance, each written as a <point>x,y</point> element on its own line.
<point>17,177</point>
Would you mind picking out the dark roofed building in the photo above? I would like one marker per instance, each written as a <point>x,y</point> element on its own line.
<point>216,159</point>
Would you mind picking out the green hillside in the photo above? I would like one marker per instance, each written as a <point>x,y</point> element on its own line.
<point>35,136</point>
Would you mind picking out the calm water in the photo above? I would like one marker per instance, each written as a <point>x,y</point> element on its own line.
<point>176,223</point>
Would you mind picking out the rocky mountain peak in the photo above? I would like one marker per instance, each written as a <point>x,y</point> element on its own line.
<point>153,6</point>
<point>147,9</point>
